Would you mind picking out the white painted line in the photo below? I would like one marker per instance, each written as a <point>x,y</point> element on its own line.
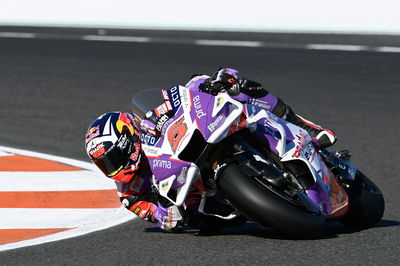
<point>76,163</point>
<point>388,49</point>
<point>2,153</point>
<point>108,219</point>
<point>115,38</point>
<point>50,218</point>
<point>336,47</point>
<point>233,43</point>
<point>26,35</point>
<point>46,181</point>
<point>228,43</point>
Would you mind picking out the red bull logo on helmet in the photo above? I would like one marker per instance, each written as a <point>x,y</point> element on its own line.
<point>91,134</point>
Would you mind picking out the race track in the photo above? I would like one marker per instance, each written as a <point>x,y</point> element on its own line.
<point>51,90</point>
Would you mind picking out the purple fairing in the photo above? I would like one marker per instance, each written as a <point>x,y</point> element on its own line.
<point>163,167</point>
<point>266,133</point>
<point>201,111</point>
<point>318,194</point>
<point>195,82</point>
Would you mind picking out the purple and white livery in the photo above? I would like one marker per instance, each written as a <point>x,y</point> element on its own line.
<point>262,166</point>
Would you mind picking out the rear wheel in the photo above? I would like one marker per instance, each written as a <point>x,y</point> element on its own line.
<point>367,204</point>
<point>260,205</point>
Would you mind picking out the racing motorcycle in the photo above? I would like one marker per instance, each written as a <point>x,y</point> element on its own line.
<point>252,163</point>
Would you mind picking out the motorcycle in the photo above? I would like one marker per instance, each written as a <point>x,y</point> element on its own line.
<point>252,163</point>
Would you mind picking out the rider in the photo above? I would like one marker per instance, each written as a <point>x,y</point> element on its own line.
<point>113,144</point>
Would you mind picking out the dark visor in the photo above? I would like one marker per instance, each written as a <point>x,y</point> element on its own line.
<point>116,158</point>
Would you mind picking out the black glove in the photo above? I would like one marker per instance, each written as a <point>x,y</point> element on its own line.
<point>222,80</point>
<point>251,88</point>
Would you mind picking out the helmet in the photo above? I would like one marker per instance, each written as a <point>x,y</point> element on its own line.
<point>113,144</point>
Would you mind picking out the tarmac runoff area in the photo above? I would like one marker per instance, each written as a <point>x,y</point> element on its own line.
<point>45,198</point>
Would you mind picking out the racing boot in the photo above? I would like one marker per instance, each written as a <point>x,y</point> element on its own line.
<point>324,137</point>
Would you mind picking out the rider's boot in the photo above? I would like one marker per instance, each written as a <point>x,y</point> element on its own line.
<point>324,137</point>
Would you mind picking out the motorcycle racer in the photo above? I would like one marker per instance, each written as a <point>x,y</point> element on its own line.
<point>248,91</point>
<point>113,144</point>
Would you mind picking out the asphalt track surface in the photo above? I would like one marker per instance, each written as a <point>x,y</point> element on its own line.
<point>51,90</point>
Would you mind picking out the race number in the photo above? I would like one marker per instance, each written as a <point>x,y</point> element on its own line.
<point>176,132</point>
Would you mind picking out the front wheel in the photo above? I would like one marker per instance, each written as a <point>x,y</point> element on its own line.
<point>366,203</point>
<point>260,205</point>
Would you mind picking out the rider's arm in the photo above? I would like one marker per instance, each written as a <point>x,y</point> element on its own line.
<point>146,205</point>
<point>137,197</point>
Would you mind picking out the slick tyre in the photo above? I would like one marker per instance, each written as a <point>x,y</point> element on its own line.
<point>366,201</point>
<point>263,207</point>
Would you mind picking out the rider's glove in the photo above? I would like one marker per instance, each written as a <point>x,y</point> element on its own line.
<point>250,87</point>
<point>170,219</point>
<point>222,80</point>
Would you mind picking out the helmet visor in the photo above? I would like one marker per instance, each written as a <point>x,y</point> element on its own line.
<point>116,158</point>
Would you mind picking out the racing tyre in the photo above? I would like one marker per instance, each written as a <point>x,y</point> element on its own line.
<point>260,205</point>
<point>367,204</point>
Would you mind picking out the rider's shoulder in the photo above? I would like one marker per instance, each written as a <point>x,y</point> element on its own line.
<point>195,81</point>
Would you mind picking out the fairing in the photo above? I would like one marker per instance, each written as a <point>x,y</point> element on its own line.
<point>216,117</point>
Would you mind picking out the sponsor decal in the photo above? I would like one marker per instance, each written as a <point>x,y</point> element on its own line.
<point>164,184</point>
<point>137,210</point>
<point>219,101</point>
<point>261,104</point>
<point>302,139</point>
<point>148,139</point>
<point>97,151</point>
<point>164,95</point>
<point>185,98</point>
<point>91,134</point>
<point>125,119</point>
<point>135,155</point>
<point>197,107</point>
<point>161,164</point>
<point>123,142</point>
<point>169,106</point>
<point>161,121</point>
<point>214,124</point>
<point>161,110</point>
<point>182,176</point>
<point>150,151</point>
<point>174,97</point>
